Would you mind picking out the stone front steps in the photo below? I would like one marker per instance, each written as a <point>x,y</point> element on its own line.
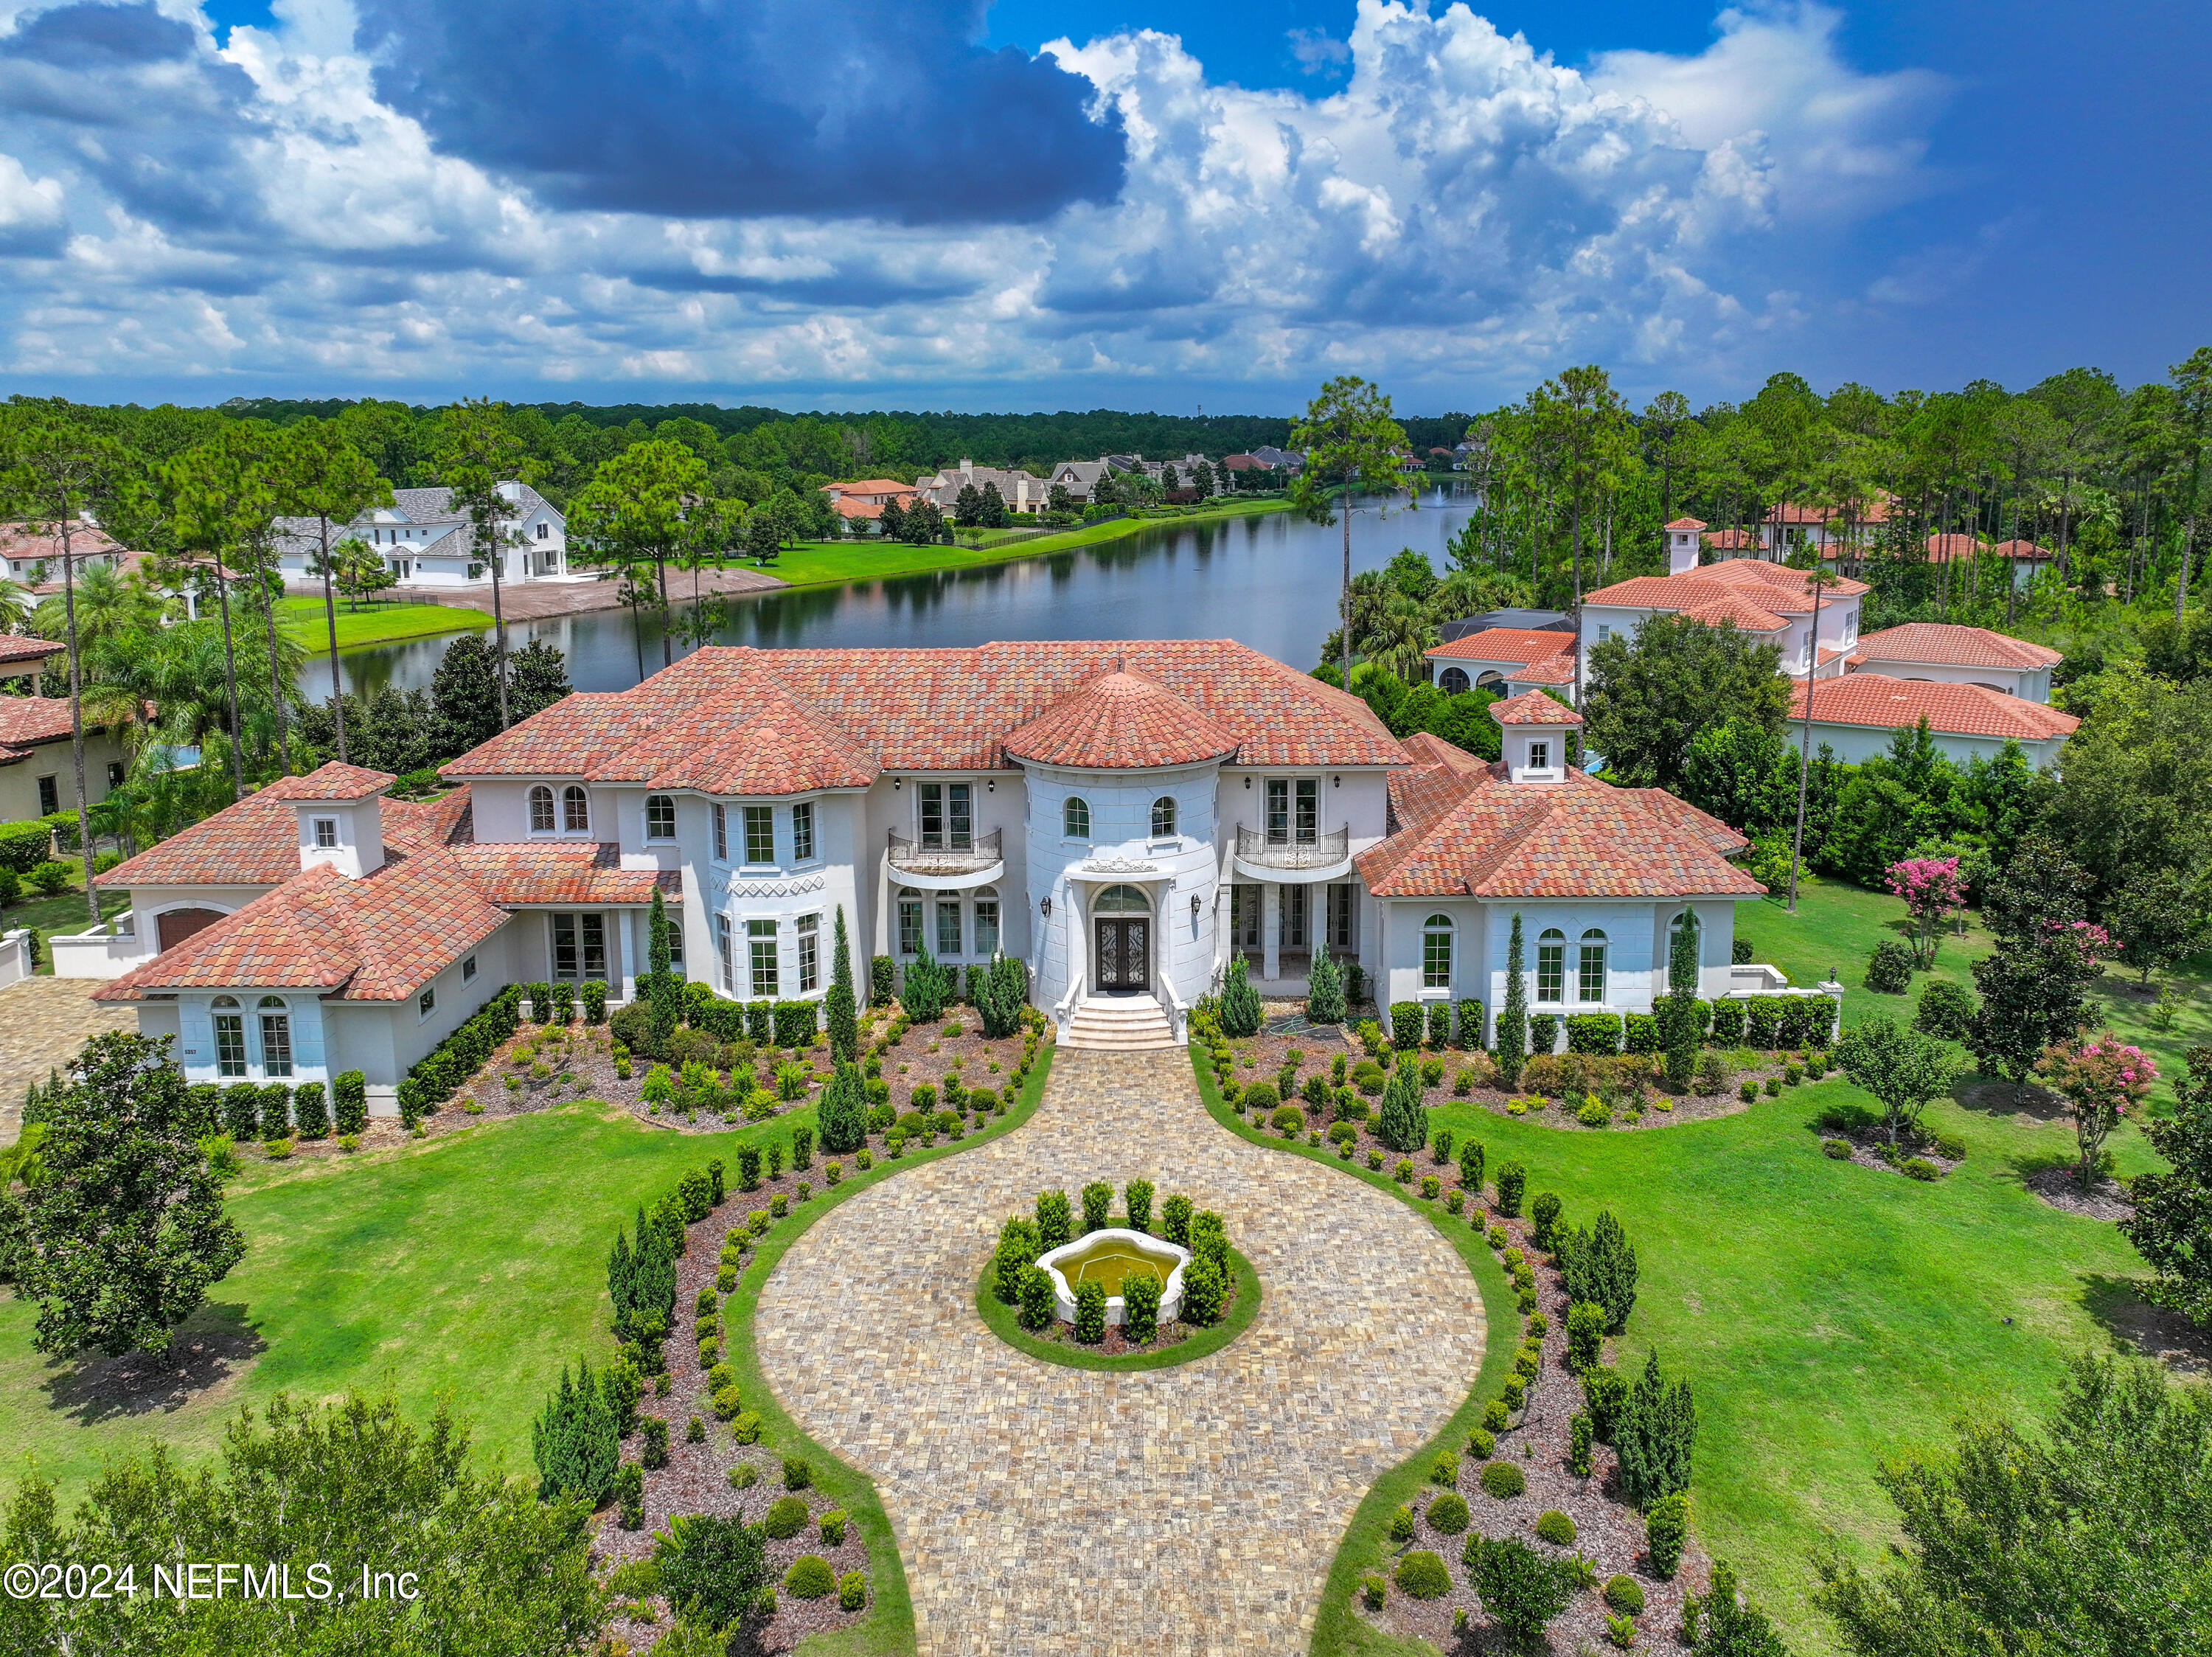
<point>1120,1024</point>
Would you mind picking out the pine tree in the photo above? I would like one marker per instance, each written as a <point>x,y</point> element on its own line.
<point>663,998</point>
<point>1513,1021</point>
<point>1240,1001</point>
<point>1404,1124</point>
<point>621,1277</point>
<point>573,1441</point>
<point>843,1117</point>
<point>1654,1436</point>
<point>1600,1266</point>
<point>1324,988</point>
<point>843,1015</point>
<point>925,992</point>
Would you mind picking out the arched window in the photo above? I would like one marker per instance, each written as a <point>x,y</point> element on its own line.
<point>659,817</point>
<point>1122,900</point>
<point>1551,966</point>
<point>1490,681</point>
<point>575,810</point>
<point>1591,986</point>
<point>1075,817</point>
<point>1437,953</point>
<point>1164,817</point>
<point>541,810</point>
<point>1452,680</point>
<point>230,1037</point>
<point>275,1036</point>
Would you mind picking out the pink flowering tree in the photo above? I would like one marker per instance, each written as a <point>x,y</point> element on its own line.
<point>1933,891</point>
<point>2101,1081</point>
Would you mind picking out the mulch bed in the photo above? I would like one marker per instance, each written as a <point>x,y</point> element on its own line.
<point>1115,1345</point>
<point>2107,1199</point>
<point>1260,1058</point>
<point>1608,1533</point>
<point>1867,1144</point>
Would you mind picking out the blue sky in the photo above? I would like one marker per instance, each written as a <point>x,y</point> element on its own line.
<point>949,203</point>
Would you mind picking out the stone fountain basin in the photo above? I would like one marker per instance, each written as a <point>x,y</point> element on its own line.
<point>1106,1255</point>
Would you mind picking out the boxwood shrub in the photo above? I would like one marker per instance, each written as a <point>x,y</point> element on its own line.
<point>1424,1575</point>
<point>1447,1515</point>
<point>810,1578</point>
<point>1593,1033</point>
<point>1503,1480</point>
<point>1556,1528</point>
<point>787,1517</point>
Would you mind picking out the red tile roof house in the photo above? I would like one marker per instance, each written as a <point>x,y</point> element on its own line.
<point>866,497</point>
<point>1123,817</point>
<point>1951,653</point>
<point>2027,559</point>
<point>1510,660</point>
<point>1856,716</point>
<point>38,766</point>
<point>1771,600</point>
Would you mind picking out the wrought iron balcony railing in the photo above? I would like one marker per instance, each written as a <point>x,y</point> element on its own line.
<point>956,855</point>
<point>1256,846</point>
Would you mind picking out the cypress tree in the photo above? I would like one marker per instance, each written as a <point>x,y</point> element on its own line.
<point>1403,1125</point>
<point>843,1118</point>
<point>620,1285</point>
<point>1678,1014</point>
<point>1513,1021</point>
<point>1324,988</point>
<point>1241,1011</point>
<point>663,999</point>
<point>573,1441</point>
<point>1598,1266</point>
<point>1654,1436</point>
<point>843,1014</point>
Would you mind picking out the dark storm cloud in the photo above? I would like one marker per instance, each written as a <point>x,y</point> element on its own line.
<point>728,108</point>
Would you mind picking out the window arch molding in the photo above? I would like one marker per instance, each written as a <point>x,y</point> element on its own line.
<point>659,817</point>
<point>1437,933</point>
<point>1551,965</point>
<point>575,810</point>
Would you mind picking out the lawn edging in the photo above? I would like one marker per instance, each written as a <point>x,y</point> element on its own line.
<point>1004,1322</point>
<point>1366,1539</point>
<point>888,1630</point>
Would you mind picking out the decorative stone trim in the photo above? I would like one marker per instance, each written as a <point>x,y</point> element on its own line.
<point>732,886</point>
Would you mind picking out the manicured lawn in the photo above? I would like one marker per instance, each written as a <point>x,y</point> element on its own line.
<point>302,622</point>
<point>61,913</point>
<point>468,1267</point>
<point>816,563</point>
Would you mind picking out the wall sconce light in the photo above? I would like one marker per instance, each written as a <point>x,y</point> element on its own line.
<point>1247,784</point>
<point>1336,782</point>
<point>991,786</point>
<point>1046,907</point>
<point>897,782</point>
<point>1194,906</point>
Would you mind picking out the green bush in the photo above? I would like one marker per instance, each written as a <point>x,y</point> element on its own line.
<point>1056,1221</point>
<point>1447,1515</point>
<point>1666,1532</point>
<point>787,1517</point>
<point>51,877</point>
<point>1288,1120</point>
<point>1424,1575</point>
<point>1369,1077</point>
<point>1175,1220</point>
<point>1091,1312</point>
<point>1919,1167</point>
<point>1037,1298</point>
<point>746,1427</point>
<point>1444,1469</point>
<point>883,980</point>
<point>810,1578</point>
<point>1728,1023</point>
<point>1748,1092</point>
<point>1097,1206</point>
<point>1503,1480</point>
<point>1950,1147</point>
<point>1259,1096</point>
<point>1512,1181</point>
<point>852,1591</point>
<point>1889,969</point>
<point>1407,1024</point>
<point>1625,1595</point>
<point>1593,1033</point>
<point>1946,1009</point>
<point>1374,1590</point>
<point>1839,1150</point>
<point>24,846</point>
<point>1469,1022</point>
<point>1543,1034</point>
<point>311,1109</point>
<point>1579,1436</point>
<point>1204,1287</point>
<point>797,1473</point>
<point>1585,1336</point>
<point>1401,1523</point>
<point>1482,1443</point>
<point>1141,1304</point>
<point>1137,1199</point>
<point>1556,1528</point>
<point>1595,1114</point>
<point>1241,1011</point>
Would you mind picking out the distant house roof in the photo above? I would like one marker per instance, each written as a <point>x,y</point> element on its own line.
<point>1724,590</point>
<point>23,652</point>
<point>866,497</point>
<point>1516,644</point>
<point>1881,703</point>
<point>1951,645</point>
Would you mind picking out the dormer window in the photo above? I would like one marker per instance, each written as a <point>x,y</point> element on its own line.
<point>326,833</point>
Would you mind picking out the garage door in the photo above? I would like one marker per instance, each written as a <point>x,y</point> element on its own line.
<point>175,925</point>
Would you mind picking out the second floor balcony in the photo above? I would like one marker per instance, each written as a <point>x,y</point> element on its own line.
<point>1284,850</point>
<point>950,855</point>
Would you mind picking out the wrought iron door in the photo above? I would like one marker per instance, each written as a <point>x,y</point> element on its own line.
<point>1123,952</point>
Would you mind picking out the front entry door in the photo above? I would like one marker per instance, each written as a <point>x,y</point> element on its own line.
<point>1124,952</point>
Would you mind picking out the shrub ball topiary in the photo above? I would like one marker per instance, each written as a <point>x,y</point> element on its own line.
<point>787,1517</point>
<point>1481,1442</point>
<point>852,1591</point>
<point>1447,1515</point>
<point>1424,1575</point>
<point>1374,1590</point>
<point>833,1525</point>
<point>810,1578</point>
<point>1919,1167</point>
<point>1625,1594</point>
<point>1837,1150</point>
<point>1889,969</point>
<point>1503,1480</point>
<point>1556,1528</point>
<point>1401,1523</point>
<point>797,1473</point>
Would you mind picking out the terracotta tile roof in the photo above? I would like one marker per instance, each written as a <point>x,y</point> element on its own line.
<point>1942,549</point>
<point>1881,703</point>
<point>757,742</point>
<point>1476,834</point>
<point>1730,540</point>
<point>1748,585</point>
<point>1953,645</point>
<point>20,540</point>
<point>1553,670</point>
<point>1534,708</point>
<point>256,841</point>
<point>26,721</point>
<point>1762,579</point>
<point>923,711</point>
<point>519,875</point>
<point>2023,550</point>
<point>1688,523</point>
<point>1120,721</point>
<point>20,649</point>
<point>448,821</point>
<point>1745,615</point>
<point>333,782</point>
<point>1424,748</point>
<point>1502,644</point>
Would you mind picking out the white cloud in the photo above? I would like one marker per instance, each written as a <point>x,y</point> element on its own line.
<point>1462,212</point>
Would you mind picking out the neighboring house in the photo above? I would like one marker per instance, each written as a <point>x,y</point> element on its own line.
<point>1951,653</point>
<point>1124,818</point>
<point>426,543</point>
<point>1279,460</point>
<point>38,763</point>
<point>867,497</point>
<point>1552,621</point>
<point>1768,600</point>
<point>34,554</point>
<point>1601,877</point>
<point>1021,491</point>
<point>1856,716</point>
<point>1509,659</point>
<point>1078,477</point>
<point>2027,559</point>
<point>23,656</point>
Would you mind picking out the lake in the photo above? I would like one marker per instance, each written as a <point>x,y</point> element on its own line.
<point>1270,581</point>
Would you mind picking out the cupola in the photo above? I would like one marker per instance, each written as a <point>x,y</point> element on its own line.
<point>1534,731</point>
<point>1682,545</point>
<point>341,813</point>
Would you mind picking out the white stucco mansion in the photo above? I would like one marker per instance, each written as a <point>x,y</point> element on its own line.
<point>425,542</point>
<point>1122,817</point>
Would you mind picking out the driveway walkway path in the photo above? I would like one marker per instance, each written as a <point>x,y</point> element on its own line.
<point>1043,1510</point>
<point>43,1023</point>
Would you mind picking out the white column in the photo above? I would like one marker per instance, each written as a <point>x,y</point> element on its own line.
<point>1271,930</point>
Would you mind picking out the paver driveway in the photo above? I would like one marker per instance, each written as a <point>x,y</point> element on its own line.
<point>43,1023</point>
<point>1193,1509</point>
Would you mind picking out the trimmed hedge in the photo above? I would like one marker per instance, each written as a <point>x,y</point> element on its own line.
<point>24,846</point>
<point>1543,1032</point>
<point>440,1074</point>
<point>1593,1033</point>
<point>1470,1024</point>
<point>1405,1025</point>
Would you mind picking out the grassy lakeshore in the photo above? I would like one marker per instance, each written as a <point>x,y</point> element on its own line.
<point>301,622</point>
<point>826,564</point>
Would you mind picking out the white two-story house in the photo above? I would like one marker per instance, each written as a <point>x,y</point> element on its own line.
<point>425,542</point>
<point>1124,818</point>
